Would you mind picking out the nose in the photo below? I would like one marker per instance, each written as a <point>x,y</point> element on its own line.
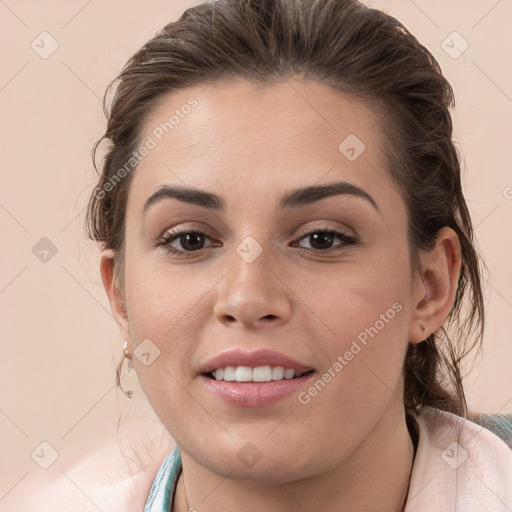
<point>252,295</point>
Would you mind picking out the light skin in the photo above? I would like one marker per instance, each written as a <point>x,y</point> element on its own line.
<point>348,448</point>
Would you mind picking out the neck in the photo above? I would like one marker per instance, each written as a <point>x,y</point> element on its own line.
<point>374,477</point>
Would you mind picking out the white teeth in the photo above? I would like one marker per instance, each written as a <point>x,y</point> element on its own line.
<point>243,374</point>
<point>277,373</point>
<point>258,374</point>
<point>229,374</point>
<point>262,374</point>
<point>289,374</point>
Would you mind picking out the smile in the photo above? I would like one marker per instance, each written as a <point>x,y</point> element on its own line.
<point>258,374</point>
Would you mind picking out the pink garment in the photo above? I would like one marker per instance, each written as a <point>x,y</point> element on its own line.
<point>459,467</point>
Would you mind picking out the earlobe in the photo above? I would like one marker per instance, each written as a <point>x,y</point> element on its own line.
<point>114,294</point>
<point>433,297</point>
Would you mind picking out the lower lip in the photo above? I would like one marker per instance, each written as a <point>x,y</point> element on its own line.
<point>254,394</point>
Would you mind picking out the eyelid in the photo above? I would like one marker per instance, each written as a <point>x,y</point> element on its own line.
<point>184,228</point>
<point>325,227</point>
<point>347,240</point>
<point>172,235</point>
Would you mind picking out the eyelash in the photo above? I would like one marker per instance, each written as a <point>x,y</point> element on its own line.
<point>171,236</point>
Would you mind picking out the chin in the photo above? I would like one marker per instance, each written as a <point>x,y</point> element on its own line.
<point>260,464</point>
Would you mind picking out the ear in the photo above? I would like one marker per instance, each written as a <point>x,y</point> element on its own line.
<point>435,288</point>
<point>114,294</point>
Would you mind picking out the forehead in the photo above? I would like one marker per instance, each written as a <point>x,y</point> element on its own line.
<point>229,136</point>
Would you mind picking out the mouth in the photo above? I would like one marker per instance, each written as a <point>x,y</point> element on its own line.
<point>259,374</point>
<point>259,378</point>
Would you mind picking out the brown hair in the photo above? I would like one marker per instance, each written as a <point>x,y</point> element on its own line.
<point>360,51</point>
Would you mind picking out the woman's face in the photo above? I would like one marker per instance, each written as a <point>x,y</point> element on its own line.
<point>260,273</point>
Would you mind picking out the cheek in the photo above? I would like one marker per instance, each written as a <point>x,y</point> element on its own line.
<point>363,361</point>
<point>168,315</point>
<point>348,299</point>
<point>365,313</point>
<point>161,298</point>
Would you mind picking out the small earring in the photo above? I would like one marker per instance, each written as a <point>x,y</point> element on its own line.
<point>126,355</point>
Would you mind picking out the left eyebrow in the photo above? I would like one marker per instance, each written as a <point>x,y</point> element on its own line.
<point>293,199</point>
<point>308,195</point>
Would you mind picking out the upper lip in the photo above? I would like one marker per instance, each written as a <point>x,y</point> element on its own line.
<point>238,357</point>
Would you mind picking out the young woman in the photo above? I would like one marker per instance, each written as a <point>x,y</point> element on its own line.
<point>287,250</point>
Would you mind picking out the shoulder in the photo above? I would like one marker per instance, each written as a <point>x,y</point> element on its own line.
<point>459,464</point>
<point>499,424</point>
<point>115,476</point>
<point>493,430</point>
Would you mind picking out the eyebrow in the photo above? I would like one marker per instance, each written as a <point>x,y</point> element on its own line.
<point>293,199</point>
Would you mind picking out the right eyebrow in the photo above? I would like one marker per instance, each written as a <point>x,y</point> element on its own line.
<point>186,195</point>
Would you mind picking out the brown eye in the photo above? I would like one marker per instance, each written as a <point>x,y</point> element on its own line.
<point>322,240</point>
<point>187,241</point>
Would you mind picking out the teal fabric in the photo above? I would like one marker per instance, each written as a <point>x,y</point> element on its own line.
<point>161,494</point>
<point>499,424</point>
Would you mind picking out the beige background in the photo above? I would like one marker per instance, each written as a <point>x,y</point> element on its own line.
<point>59,341</point>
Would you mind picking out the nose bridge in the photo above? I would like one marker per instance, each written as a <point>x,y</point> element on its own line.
<point>252,292</point>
